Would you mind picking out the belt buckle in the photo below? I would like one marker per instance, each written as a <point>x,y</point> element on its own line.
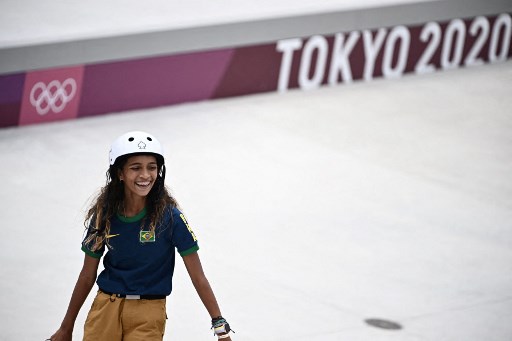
<point>132,297</point>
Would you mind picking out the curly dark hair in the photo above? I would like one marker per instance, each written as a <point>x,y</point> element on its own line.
<point>110,201</point>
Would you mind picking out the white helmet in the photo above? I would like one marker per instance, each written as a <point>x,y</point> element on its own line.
<point>135,142</point>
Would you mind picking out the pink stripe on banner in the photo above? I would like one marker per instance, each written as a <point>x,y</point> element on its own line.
<point>151,82</point>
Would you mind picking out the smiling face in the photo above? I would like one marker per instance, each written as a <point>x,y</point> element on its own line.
<point>139,174</point>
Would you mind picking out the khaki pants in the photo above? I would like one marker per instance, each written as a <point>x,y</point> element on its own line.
<point>116,319</point>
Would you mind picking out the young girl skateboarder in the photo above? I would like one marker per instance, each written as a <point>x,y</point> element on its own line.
<point>136,224</point>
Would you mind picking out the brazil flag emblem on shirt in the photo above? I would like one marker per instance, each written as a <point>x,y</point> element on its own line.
<point>147,236</point>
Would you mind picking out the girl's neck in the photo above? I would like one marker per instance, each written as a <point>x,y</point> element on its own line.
<point>132,207</point>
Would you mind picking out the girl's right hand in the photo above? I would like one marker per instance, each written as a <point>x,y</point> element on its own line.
<point>61,335</point>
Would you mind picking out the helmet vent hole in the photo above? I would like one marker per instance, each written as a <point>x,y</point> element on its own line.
<point>149,138</point>
<point>131,139</point>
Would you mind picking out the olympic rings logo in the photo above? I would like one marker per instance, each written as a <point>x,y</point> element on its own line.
<point>53,96</point>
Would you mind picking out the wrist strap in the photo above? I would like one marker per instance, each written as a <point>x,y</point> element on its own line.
<point>221,327</point>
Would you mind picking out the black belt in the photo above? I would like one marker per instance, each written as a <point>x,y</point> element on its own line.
<point>135,297</point>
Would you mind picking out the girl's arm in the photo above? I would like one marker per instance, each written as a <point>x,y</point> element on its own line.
<point>82,289</point>
<point>203,288</point>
